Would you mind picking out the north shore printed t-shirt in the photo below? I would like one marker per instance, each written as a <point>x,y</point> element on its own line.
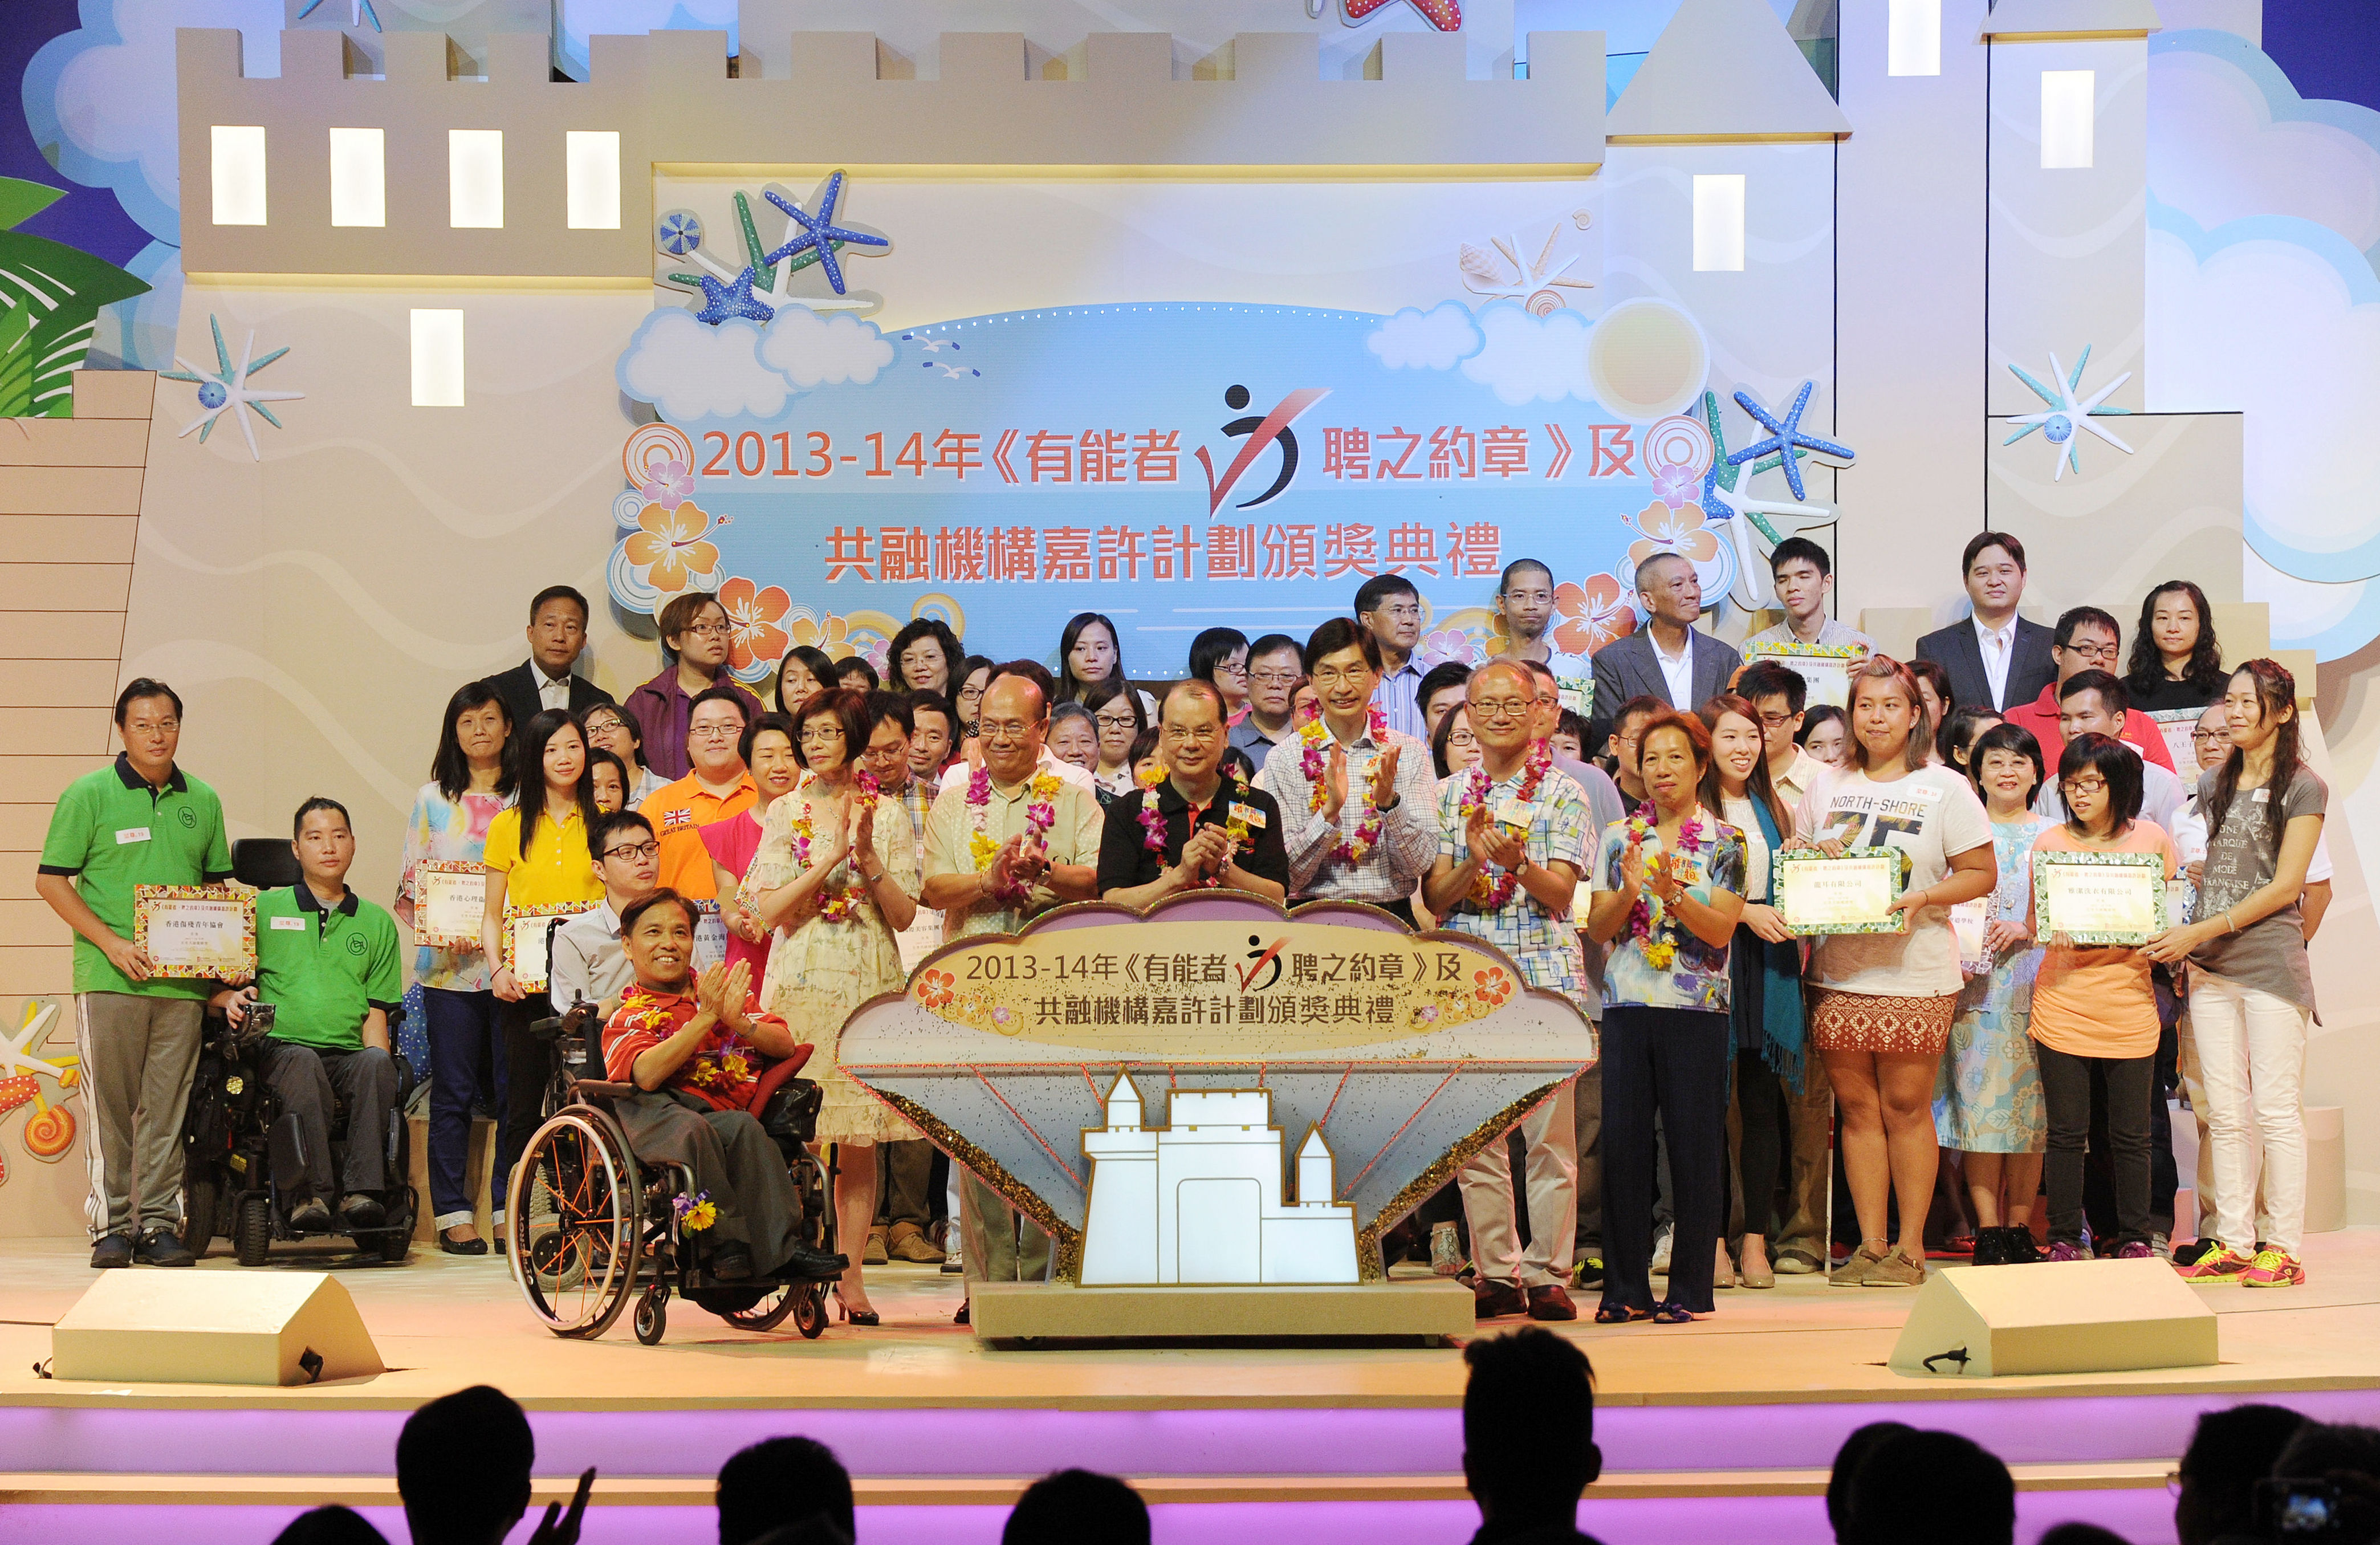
<point>2269,954</point>
<point>2097,1001</point>
<point>112,831</point>
<point>1933,816</point>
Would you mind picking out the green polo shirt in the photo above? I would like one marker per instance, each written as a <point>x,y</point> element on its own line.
<point>324,970</point>
<point>112,831</point>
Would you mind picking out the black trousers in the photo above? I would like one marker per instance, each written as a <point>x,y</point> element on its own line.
<point>528,1063</point>
<point>2099,1175</point>
<point>1672,1060</point>
<point>309,1082</point>
<point>1760,1149</point>
<point>2066,1087</point>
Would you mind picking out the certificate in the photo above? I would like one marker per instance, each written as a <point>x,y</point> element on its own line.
<point>1970,923</point>
<point>196,930</point>
<point>1825,670</point>
<point>709,935</point>
<point>525,936</point>
<point>1850,894</point>
<point>449,900</point>
<point>2099,898</point>
<point>2177,726</point>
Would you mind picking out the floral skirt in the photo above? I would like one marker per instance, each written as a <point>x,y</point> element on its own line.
<point>1871,1022</point>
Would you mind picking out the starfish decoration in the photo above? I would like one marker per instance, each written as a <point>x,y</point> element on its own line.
<point>358,12</point>
<point>775,279</point>
<point>1444,15</point>
<point>733,299</point>
<point>229,388</point>
<point>1786,438</point>
<point>819,232</point>
<point>2068,413</point>
<point>1722,502</point>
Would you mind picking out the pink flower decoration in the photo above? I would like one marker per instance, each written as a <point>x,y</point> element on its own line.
<point>667,482</point>
<point>1450,643</point>
<point>1676,483</point>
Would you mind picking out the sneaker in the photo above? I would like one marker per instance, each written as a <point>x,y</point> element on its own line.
<point>1897,1270</point>
<point>2273,1269</point>
<point>2220,1266</point>
<point>2067,1249</point>
<point>1852,1272</point>
<point>2159,1243</point>
<point>361,1212</point>
<point>1589,1273</point>
<point>159,1247</point>
<point>951,1264</point>
<point>113,1251</point>
<point>2137,1251</point>
<point>311,1216</point>
<point>1661,1253</point>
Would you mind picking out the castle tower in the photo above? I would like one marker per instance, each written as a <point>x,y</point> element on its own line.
<point>1317,1184</point>
<point>1119,1236</point>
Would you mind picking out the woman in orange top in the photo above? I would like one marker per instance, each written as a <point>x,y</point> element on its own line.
<point>2094,1009</point>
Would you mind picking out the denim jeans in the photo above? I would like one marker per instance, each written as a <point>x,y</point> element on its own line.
<point>466,1063</point>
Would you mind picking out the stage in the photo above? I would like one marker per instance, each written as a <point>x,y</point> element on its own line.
<point>1709,1431</point>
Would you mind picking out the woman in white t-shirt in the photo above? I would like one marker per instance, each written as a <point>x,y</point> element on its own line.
<point>1881,1003</point>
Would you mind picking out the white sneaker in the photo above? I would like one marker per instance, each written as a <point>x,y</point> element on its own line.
<point>952,1265</point>
<point>1661,1252</point>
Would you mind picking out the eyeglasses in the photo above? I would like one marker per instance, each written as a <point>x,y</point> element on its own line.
<point>1325,678</point>
<point>710,629</point>
<point>821,734</point>
<point>1461,738</point>
<point>1190,735</point>
<point>2209,737</point>
<point>1504,708</point>
<point>970,694</point>
<point>722,732</point>
<point>1114,721</point>
<point>1274,678</point>
<point>1005,729</point>
<point>1776,721</point>
<point>2105,654</point>
<point>641,850</point>
<point>1227,668</point>
<point>1401,613</point>
<point>2086,785</point>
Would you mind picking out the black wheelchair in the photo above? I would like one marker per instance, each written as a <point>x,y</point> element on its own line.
<point>242,1154</point>
<point>593,1228</point>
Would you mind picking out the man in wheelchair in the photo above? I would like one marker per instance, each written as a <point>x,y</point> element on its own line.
<point>694,1046</point>
<point>326,961</point>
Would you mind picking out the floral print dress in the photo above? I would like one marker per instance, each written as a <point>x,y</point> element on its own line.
<point>1988,1094</point>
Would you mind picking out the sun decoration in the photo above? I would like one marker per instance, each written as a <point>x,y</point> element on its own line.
<point>2068,412</point>
<point>229,388</point>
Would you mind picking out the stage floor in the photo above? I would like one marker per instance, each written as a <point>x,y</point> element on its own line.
<point>1699,1423</point>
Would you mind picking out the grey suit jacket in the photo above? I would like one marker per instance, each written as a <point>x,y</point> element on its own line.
<point>1628,668</point>
<point>1955,650</point>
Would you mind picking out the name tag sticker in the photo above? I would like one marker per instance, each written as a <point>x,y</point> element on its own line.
<point>1512,812</point>
<point>1247,815</point>
<point>1926,795</point>
<point>140,833</point>
<point>291,925</point>
<point>2256,797</point>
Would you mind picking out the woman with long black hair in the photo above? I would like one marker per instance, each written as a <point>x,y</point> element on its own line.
<point>2177,662</point>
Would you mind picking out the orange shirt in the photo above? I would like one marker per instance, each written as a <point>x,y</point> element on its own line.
<point>2097,1001</point>
<point>678,811</point>
<point>722,1069</point>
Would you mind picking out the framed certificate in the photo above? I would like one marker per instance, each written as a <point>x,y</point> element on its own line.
<point>1850,894</point>
<point>2099,898</point>
<point>2177,724</point>
<point>196,930</point>
<point>524,934</point>
<point>450,897</point>
<point>1825,670</point>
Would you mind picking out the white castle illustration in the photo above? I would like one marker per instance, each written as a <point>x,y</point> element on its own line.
<point>1199,1201</point>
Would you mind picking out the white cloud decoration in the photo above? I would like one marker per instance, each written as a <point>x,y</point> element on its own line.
<point>1432,340</point>
<point>813,350</point>
<point>691,371</point>
<point>1526,358</point>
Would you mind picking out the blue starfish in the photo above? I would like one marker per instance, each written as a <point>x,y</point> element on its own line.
<point>721,302</point>
<point>819,232</point>
<point>1786,438</point>
<point>1719,479</point>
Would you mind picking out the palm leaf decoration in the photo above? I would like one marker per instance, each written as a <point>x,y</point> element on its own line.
<point>50,299</point>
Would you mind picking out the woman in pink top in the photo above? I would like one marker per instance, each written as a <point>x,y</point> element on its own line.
<point>768,750</point>
<point>2094,1010</point>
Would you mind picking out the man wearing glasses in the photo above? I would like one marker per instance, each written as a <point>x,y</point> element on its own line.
<point>719,787</point>
<point>2088,639</point>
<point>1214,834</point>
<point>1389,609</point>
<point>1276,664</point>
<point>695,639</point>
<point>586,964</point>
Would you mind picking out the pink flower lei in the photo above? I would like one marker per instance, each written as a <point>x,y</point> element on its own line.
<point>1315,737</point>
<point>1040,814</point>
<point>1649,922</point>
<point>841,906</point>
<point>1492,895</point>
<point>1152,819</point>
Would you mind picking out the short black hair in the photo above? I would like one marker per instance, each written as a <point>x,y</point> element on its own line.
<point>598,757</point>
<point>144,687</point>
<point>772,720</point>
<point>2319,1447</point>
<point>851,663</point>
<point>331,1525</point>
<point>1504,581</point>
<point>1528,1425</point>
<point>847,706</point>
<point>1369,595</point>
<point>1340,633</point>
<point>1771,678</point>
<point>2083,616</point>
<point>463,1463</point>
<point>560,593</point>
<point>778,1481</point>
<point>922,701</point>
<point>2006,540</point>
<point>2114,695</point>
<point>611,824</point>
<point>1799,547</point>
<point>1438,678</point>
<point>319,802</point>
<point>1273,643</point>
<point>1644,705</point>
<point>1070,1505</point>
<point>1032,671</point>
<point>882,705</point>
<point>1571,723</point>
<point>2115,762</point>
<point>1211,648</point>
<point>1965,1495</point>
<point>2005,736</point>
<point>2230,1452</point>
<point>635,911</point>
<point>719,692</point>
<point>1861,1442</point>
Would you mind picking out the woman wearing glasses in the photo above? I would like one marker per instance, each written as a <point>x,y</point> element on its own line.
<point>609,728</point>
<point>1220,657</point>
<point>695,639</point>
<point>1116,710</point>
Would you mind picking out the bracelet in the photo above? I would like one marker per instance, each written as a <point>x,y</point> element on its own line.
<point>2228,926</point>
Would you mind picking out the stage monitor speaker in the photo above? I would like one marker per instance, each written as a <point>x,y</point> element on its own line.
<point>201,1327</point>
<point>2060,1317</point>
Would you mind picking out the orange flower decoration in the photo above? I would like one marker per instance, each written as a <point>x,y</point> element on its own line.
<point>752,617</point>
<point>670,541</point>
<point>1492,986</point>
<point>1667,528</point>
<point>828,635</point>
<point>1588,616</point>
<point>934,989</point>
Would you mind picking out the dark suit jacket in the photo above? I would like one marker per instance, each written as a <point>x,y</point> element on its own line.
<point>1955,650</point>
<point>1627,668</point>
<point>519,688</point>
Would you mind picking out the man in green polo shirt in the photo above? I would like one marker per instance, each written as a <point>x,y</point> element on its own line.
<point>140,821</point>
<point>326,959</point>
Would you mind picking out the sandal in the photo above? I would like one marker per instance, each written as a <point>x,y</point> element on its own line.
<point>1619,1314</point>
<point>1673,1314</point>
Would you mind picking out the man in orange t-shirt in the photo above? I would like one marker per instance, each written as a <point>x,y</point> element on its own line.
<point>720,786</point>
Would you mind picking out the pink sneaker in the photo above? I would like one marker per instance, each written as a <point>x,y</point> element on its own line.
<point>2137,1251</point>
<point>2273,1269</point>
<point>2221,1265</point>
<point>2064,1250</point>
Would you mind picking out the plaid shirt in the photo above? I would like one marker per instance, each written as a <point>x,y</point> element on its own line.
<point>1543,943</point>
<point>1408,833</point>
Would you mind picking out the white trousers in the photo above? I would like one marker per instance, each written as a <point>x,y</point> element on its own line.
<point>2251,1051</point>
<point>1550,1135</point>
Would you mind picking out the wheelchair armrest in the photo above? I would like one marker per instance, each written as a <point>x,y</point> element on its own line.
<point>404,1079</point>
<point>774,1076</point>
<point>602,1088</point>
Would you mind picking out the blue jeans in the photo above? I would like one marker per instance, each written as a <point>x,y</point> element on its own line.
<point>467,1064</point>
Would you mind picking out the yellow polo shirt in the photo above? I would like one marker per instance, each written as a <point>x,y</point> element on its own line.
<point>556,868</point>
<point>678,811</point>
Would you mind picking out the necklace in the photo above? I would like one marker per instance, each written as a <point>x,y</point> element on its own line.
<point>1315,737</point>
<point>1040,814</point>
<point>843,905</point>
<point>1491,895</point>
<point>1649,922</point>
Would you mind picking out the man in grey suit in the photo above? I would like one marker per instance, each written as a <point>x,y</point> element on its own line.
<point>1666,658</point>
<point>1996,660</point>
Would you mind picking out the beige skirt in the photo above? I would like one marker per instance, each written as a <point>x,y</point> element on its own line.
<point>1871,1022</point>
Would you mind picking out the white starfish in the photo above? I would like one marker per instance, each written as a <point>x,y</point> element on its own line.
<point>229,388</point>
<point>16,1057</point>
<point>2067,413</point>
<point>1777,519</point>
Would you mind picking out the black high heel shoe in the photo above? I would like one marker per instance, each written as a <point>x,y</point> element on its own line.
<point>852,1316</point>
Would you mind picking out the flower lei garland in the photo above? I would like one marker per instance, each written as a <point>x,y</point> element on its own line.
<point>1649,922</point>
<point>835,906</point>
<point>721,1062</point>
<point>696,1212</point>
<point>1315,737</point>
<point>1040,814</point>
<point>1152,819</point>
<point>1488,895</point>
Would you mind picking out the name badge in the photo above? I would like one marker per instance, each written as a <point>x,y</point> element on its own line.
<point>1926,795</point>
<point>292,925</point>
<point>1512,812</point>
<point>1246,815</point>
<point>140,833</point>
<point>2257,798</point>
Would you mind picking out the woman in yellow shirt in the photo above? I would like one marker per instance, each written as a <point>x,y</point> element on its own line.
<point>536,856</point>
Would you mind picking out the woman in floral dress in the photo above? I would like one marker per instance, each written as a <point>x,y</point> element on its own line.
<point>849,884</point>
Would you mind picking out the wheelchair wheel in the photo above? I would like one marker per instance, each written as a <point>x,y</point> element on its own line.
<point>652,1314</point>
<point>769,1312</point>
<point>254,1240</point>
<point>576,1204</point>
<point>809,1310</point>
<point>397,1243</point>
<point>200,1200</point>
